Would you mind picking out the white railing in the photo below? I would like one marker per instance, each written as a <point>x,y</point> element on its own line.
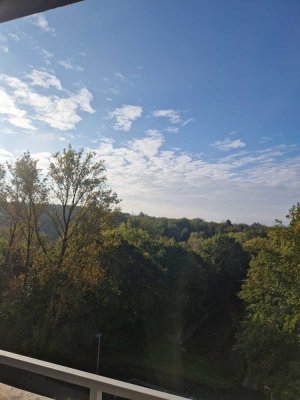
<point>96,384</point>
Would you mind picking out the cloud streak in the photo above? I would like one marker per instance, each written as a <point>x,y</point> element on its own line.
<point>171,115</point>
<point>41,22</point>
<point>228,144</point>
<point>70,66</point>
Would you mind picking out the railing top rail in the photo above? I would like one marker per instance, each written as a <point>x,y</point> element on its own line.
<point>85,379</point>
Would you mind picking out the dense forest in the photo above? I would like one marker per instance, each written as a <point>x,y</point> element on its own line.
<point>185,303</point>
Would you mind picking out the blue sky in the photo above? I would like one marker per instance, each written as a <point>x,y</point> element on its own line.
<point>194,106</point>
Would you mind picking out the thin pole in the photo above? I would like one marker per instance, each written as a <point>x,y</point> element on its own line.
<point>98,353</point>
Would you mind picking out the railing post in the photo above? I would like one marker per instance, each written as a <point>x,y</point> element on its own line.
<point>95,394</point>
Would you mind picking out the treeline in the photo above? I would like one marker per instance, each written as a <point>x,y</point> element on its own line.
<point>180,229</point>
<point>72,264</point>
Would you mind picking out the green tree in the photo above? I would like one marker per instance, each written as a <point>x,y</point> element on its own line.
<point>23,200</point>
<point>227,264</point>
<point>270,333</point>
<point>78,191</point>
<point>64,272</point>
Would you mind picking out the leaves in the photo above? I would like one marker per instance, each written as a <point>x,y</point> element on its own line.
<point>270,336</point>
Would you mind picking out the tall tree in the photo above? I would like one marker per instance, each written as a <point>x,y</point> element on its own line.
<point>78,190</point>
<point>23,200</point>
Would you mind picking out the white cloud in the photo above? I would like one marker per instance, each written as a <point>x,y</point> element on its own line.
<point>172,129</point>
<point>173,183</point>
<point>110,91</point>
<point>69,66</point>
<point>46,55</point>
<point>120,76</point>
<point>4,48</point>
<point>12,113</point>
<point>6,156</point>
<point>172,115</point>
<point>13,36</point>
<point>228,144</point>
<point>58,110</point>
<point>62,113</point>
<point>149,145</point>
<point>41,21</point>
<point>44,79</point>
<point>43,159</point>
<point>66,64</point>
<point>4,39</point>
<point>247,186</point>
<point>188,121</point>
<point>124,116</point>
<point>265,139</point>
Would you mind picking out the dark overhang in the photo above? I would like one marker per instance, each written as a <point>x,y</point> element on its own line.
<point>12,9</point>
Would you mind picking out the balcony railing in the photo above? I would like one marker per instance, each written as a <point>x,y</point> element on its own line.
<point>95,383</point>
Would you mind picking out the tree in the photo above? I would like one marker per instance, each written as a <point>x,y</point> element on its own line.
<point>60,272</point>
<point>270,334</point>
<point>78,190</point>
<point>227,264</point>
<point>23,200</point>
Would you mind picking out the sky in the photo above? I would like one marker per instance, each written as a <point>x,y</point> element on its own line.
<point>192,105</point>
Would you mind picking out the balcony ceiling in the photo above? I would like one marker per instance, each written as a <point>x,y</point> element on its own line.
<point>12,9</point>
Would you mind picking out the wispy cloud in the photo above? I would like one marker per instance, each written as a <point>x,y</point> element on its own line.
<point>4,41</point>
<point>246,186</point>
<point>70,66</point>
<point>172,115</point>
<point>44,79</point>
<point>120,77</point>
<point>4,48</point>
<point>172,129</point>
<point>12,113</point>
<point>173,183</point>
<point>13,36</point>
<point>265,139</point>
<point>60,110</point>
<point>124,116</point>
<point>228,144</point>
<point>41,21</point>
<point>188,121</point>
<point>46,55</point>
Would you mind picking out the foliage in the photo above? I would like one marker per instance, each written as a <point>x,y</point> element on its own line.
<point>270,334</point>
<point>72,264</point>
